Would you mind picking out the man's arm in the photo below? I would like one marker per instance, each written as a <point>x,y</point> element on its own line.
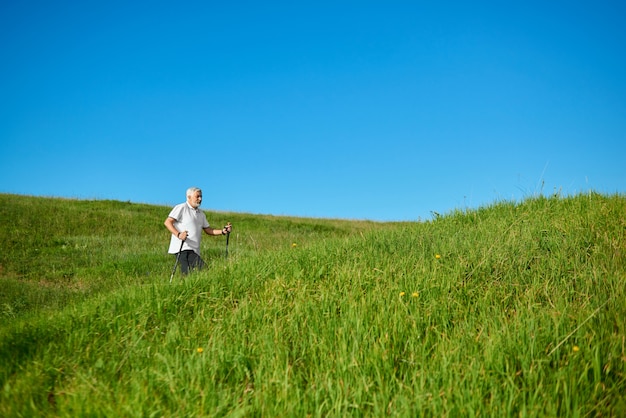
<point>215,232</point>
<point>169,224</point>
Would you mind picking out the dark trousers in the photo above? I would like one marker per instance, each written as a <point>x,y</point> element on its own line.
<point>190,261</point>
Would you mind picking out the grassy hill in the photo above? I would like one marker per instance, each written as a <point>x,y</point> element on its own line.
<point>511,309</point>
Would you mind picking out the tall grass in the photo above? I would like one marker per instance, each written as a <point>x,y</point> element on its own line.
<point>508,310</point>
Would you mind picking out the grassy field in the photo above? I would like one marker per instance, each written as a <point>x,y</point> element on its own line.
<point>516,309</point>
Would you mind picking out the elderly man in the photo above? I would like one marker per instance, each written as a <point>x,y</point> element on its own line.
<point>186,223</point>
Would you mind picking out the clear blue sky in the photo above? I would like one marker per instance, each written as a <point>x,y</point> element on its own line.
<point>336,109</point>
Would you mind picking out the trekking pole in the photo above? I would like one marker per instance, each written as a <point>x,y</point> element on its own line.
<point>227,236</point>
<point>177,257</point>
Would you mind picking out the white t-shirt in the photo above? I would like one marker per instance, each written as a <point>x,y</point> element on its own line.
<point>191,220</point>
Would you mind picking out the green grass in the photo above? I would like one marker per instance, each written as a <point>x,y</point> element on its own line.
<point>507,310</point>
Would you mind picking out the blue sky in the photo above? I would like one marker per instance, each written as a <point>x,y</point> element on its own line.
<point>344,109</point>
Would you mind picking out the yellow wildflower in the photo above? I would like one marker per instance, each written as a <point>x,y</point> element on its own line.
<point>402,294</point>
<point>415,294</point>
<point>200,350</point>
<point>437,256</point>
<point>576,349</point>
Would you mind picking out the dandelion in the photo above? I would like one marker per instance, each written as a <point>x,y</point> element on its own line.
<point>415,294</point>
<point>576,349</point>
<point>200,350</point>
<point>402,294</point>
<point>437,256</point>
<point>294,245</point>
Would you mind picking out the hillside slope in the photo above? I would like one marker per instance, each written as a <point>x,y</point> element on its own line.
<point>511,309</point>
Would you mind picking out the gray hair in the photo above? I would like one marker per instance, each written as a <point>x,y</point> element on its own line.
<point>192,190</point>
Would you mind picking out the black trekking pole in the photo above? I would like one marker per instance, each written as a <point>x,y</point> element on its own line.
<point>227,236</point>
<point>176,263</point>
